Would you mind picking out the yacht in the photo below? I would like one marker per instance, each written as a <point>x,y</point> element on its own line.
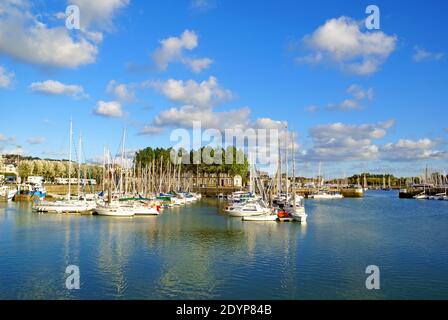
<point>295,209</point>
<point>421,196</point>
<point>251,208</point>
<point>114,210</point>
<point>324,195</point>
<point>69,206</point>
<point>7,193</point>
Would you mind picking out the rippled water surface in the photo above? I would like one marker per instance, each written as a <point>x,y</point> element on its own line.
<point>196,252</point>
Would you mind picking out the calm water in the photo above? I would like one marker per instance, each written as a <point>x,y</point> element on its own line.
<point>196,252</point>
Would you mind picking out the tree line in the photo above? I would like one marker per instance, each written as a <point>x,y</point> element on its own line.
<point>57,169</point>
<point>226,161</point>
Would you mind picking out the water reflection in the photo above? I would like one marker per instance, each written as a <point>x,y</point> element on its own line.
<point>196,252</point>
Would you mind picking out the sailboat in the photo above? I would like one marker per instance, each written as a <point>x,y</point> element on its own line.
<point>251,207</point>
<point>115,208</point>
<point>68,205</point>
<point>296,209</point>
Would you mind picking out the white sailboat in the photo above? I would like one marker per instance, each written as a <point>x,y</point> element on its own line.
<point>252,208</point>
<point>116,209</point>
<point>68,205</point>
<point>296,208</point>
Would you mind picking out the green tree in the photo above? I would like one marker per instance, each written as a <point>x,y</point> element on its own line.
<point>26,169</point>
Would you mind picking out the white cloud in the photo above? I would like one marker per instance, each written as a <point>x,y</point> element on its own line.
<point>17,150</point>
<point>197,65</point>
<point>98,13</point>
<point>312,109</point>
<point>203,5</point>
<point>110,109</point>
<point>36,140</point>
<point>120,91</point>
<point>341,142</point>
<point>204,94</point>
<point>26,39</point>
<point>52,87</point>
<point>6,139</point>
<point>411,150</point>
<point>185,115</point>
<point>343,42</point>
<point>172,50</point>
<point>358,94</point>
<point>150,130</point>
<point>421,55</point>
<point>268,123</point>
<point>5,78</point>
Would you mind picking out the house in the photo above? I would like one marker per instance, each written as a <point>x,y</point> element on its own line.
<point>223,180</point>
<point>35,180</point>
<point>237,181</point>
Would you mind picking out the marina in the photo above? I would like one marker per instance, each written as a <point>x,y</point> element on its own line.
<point>239,151</point>
<point>199,252</point>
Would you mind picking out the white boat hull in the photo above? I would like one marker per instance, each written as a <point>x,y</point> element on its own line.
<point>114,212</point>
<point>326,196</point>
<point>266,217</point>
<point>146,212</point>
<point>239,213</point>
<point>64,207</point>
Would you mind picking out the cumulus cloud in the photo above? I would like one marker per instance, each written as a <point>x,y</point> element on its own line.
<point>186,115</point>
<point>150,130</point>
<point>99,13</point>
<point>52,87</point>
<point>36,140</point>
<point>420,55</point>
<point>342,41</point>
<point>120,91</point>
<point>6,78</point>
<point>110,109</point>
<point>204,94</point>
<point>410,150</point>
<point>342,142</point>
<point>173,49</point>
<point>358,94</point>
<point>26,39</point>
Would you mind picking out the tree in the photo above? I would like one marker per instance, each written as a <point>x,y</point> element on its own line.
<point>60,170</point>
<point>38,168</point>
<point>49,170</point>
<point>26,169</point>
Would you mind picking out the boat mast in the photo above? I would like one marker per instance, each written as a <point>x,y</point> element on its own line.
<point>279,167</point>
<point>122,161</point>
<point>104,168</point>
<point>287,160</point>
<point>293,174</point>
<point>70,161</point>
<point>79,166</point>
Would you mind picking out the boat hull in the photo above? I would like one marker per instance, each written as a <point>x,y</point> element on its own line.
<point>261,218</point>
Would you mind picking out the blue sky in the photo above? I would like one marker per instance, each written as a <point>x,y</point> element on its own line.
<point>358,99</point>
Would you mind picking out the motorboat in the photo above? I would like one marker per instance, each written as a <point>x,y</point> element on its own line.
<point>69,206</point>
<point>326,195</point>
<point>251,208</point>
<point>114,210</point>
<point>7,193</point>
